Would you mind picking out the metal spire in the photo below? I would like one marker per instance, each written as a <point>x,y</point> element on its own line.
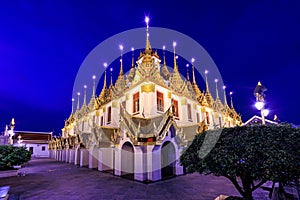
<point>164,47</point>
<point>206,81</point>
<point>231,99</point>
<point>193,71</point>
<point>187,72</point>
<point>121,61</point>
<point>111,81</point>
<point>84,96</point>
<point>94,86</point>
<point>148,46</point>
<point>78,95</point>
<point>132,62</point>
<point>225,99</point>
<point>217,91</point>
<point>72,105</point>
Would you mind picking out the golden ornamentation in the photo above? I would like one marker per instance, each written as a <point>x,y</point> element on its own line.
<point>104,109</point>
<point>127,97</point>
<point>115,104</point>
<point>98,113</point>
<point>169,95</point>
<point>148,88</point>
<point>183,102</point>
<point>203,109</point>
<point>194,106</point>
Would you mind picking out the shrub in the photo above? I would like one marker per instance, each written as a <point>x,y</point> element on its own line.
<point>10,156</point>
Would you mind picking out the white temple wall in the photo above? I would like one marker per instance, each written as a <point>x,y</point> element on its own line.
<point>84,157</point>
<point>93,158</point>
<point>105,159</point>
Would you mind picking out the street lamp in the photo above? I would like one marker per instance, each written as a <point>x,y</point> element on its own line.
<point>260,100</point>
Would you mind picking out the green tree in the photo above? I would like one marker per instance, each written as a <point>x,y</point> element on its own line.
<point>10,156</point>
<point>248,156</point>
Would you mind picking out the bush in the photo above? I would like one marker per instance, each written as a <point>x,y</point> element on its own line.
<point>11,156</point>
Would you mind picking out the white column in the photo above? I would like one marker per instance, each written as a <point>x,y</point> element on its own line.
<point>140,164</point>
<point>178,167</point>
<point>117,153</point>
<point>156,164</point>
<point>93,158</point>
<point>105,159</point>
<point>71,156</point>
<point>63,157</point>
<point>84,157</point>
<point>67,155</point>
<point>77,156</point>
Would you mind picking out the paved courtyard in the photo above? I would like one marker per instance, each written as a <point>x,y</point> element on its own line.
<point>50,179</point>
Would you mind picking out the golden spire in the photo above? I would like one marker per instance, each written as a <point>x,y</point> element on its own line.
<point>105,66</point>
<point>164,47</point>
<point>225,99</point>
<point>121,61</point>
<point>259,83</point>
<point>217,91</point>
<point>187,72</point>
<point>206,81</point>
<point>94,86</point>
<point>148,46</point>
<point>84,95</point>
<point>193,71</point>
<point>231,100</point>
<point>72,106</point>
<point>111,81</point>
<point>132,62</point>
<point>175,62</point>
<point>78,95</point>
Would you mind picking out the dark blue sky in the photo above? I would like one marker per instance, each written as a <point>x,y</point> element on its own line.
<point>43,43</point>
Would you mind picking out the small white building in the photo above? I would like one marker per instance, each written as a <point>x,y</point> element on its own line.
<point>36,142</point>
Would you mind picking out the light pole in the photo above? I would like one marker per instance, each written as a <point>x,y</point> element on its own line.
<point>260,100</point>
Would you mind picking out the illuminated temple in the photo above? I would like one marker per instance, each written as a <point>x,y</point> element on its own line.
<point>138,126</point>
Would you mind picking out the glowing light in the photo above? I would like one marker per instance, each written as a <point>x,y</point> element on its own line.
<point>206,71</point>
<point>164,47</point>
<point>174,44</point>
<point>132,49</point>
<point>121,47</point>
<point>224,87</point>
<point>230,93</point>
<point>85,86</point>
<point>259,105</point>
<point>73,99</point>
<point>216,80</point>
<point>176,57</point>
<point>105,64</point>
<point>193,60</point>
<point>147,20</point>
<point>120,60</point>
<point>266,112</point>
<point>94,77</point>
<point>111,69</point>
<point>78,93</point>
<point>187,65</point>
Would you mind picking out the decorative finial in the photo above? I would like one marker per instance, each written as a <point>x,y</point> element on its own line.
<point>121,61</point>
<point>148,46</point>
<point>73,105</point>
<point>94,85</point>
<point>259,83</point>
<point>217,91</point>
<point>175,62</point>
<point>78,95</point>
<point>105,66</point>
<point>187,72</point>
<point>84,96</point>
<point>132,64</point>
<point>206,80</point>
<point>225,99</point>
<point>231,99</point>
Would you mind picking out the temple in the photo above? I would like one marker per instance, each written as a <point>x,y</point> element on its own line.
<point>138,126</point>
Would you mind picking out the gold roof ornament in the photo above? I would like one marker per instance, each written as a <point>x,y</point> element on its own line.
<point>120,83</point>
<point>218,106</point>
<point>78,98</point>
<point>164,70</point>
<point>175,61</point>
<point>84,96</point>
<point>194,83</point>
<point>208,96</point>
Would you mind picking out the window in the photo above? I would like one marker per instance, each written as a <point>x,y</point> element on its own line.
<point>198,118</point>
<point>189,109</point>
<point>109,115</point>
<point>175,108</point>
<point>160,101</point>
<point>136,102</point>
<point>207,118</point>
<point>43,148</point>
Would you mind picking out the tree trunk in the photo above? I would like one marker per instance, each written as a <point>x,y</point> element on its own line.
<point>247,181</point>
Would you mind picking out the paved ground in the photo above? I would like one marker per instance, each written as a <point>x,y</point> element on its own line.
<point>50,179</point>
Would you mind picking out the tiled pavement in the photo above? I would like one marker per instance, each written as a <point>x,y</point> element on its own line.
<point>50,179</point>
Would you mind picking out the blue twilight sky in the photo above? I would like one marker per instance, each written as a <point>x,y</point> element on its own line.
<point>43,43</point>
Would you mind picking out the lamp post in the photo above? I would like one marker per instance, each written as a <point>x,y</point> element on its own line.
<point>260,100</point>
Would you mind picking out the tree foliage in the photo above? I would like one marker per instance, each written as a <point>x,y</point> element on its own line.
<point>10,156</point>
<point>249,155</point>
